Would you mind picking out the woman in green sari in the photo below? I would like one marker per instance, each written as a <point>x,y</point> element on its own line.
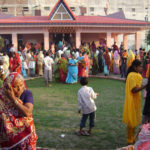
<point>63,63</point>
<point>56,68</point>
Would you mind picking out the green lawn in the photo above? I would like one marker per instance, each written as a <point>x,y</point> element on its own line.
<point>55,113</point>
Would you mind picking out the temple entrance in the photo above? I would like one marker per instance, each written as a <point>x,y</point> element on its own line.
<point>61,37</point>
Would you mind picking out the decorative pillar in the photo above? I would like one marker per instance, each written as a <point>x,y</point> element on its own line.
<point>15,41</point>
<point>46,40</point>
<point>137,40</point>
<point>125,41</point>
<point>116,39</point>
<point>78,39</point>
<point>108,40</point>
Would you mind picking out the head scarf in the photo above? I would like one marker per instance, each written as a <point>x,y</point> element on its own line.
<point>10,79</point>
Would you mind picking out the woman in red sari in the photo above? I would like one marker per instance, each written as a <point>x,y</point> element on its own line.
<point>17,129</point>
<point>14,61</point>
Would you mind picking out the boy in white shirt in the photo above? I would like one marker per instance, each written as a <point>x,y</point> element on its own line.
<point>48,62</point>
<point>86,104</point>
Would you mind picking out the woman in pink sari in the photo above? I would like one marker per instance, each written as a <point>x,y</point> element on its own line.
<point>81,65</point>
<point>86,58</point>
<point>17,129</point>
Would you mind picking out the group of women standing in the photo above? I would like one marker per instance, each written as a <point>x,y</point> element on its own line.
<point>71,70</point>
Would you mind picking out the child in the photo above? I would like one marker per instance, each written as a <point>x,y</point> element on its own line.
<point>86,104</point>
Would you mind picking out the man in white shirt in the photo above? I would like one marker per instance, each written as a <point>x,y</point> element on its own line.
<point>48,62</point>
<point>86,104</point>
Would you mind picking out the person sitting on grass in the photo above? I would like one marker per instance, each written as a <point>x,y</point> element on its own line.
<point>86,104</point>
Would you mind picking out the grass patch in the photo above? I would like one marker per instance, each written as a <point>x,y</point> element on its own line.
<point>55,112</point>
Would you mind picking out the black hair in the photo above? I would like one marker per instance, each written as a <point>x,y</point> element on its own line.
<point>62,55</point>
<point>84,81</point>
<point>47,54</point>
<point>135,63</point>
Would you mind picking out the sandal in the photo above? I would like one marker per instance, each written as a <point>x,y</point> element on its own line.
<point>82,133</point>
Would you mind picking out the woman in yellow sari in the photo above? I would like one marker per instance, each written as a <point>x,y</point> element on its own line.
<point>130,59</point>
<point>132,105</point>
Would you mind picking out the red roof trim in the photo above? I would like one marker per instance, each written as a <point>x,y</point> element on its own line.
<point>53,9</point>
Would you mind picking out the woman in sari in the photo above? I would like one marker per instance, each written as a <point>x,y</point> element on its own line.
<point>86,57</point>
<point>6,64</point>
<point>111,61</point>
<point>95,64</point>
<point>132,104</point>
<point>16,121</point>
<point>130,58</point>
<point>72,76</point>
<point>40,58</point>
<point>106,63</point>
<point>116,63</point>
<point>63,68</point>
<point>23,70</point>
<point>14,61</point>
<point>81,65</point>
<point>56,68</point>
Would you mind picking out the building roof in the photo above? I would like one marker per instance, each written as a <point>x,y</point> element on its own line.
<point>119,15</point>
<point>116,19</point>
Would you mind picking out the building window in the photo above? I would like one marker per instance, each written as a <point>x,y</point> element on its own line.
<point>72,8</point>
<point>91,9</point>
<point>133,9</point>
<point>25,9</point>
<point>47,8</point>
<point>4,9</point>
<point>120,9</point>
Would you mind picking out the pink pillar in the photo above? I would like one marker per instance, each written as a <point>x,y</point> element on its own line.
<point>137,40</point>
<point>46,41</point>
<point>15,41</point>
<point>116,39</point>
<point>108,40</point>
<point>78,39</point>
<point>125,41</point>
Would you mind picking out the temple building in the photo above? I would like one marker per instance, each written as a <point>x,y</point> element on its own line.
<point>63,24</point>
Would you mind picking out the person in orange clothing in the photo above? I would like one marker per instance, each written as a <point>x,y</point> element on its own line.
<point>132,105</point>
<point>130,58</point>
<point>111,61</point>
<point>14,61</point>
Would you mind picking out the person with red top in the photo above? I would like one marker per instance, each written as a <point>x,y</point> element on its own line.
<point>14,61</point>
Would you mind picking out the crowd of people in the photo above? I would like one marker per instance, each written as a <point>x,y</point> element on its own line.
<point>69,65</point>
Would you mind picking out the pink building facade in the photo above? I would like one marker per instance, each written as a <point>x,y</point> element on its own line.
<point>61,20</point>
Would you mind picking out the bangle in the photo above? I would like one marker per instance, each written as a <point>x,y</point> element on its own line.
<point>16,102</point>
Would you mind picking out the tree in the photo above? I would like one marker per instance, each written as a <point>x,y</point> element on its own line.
<point>148,38</point>
<point>1,43</point>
